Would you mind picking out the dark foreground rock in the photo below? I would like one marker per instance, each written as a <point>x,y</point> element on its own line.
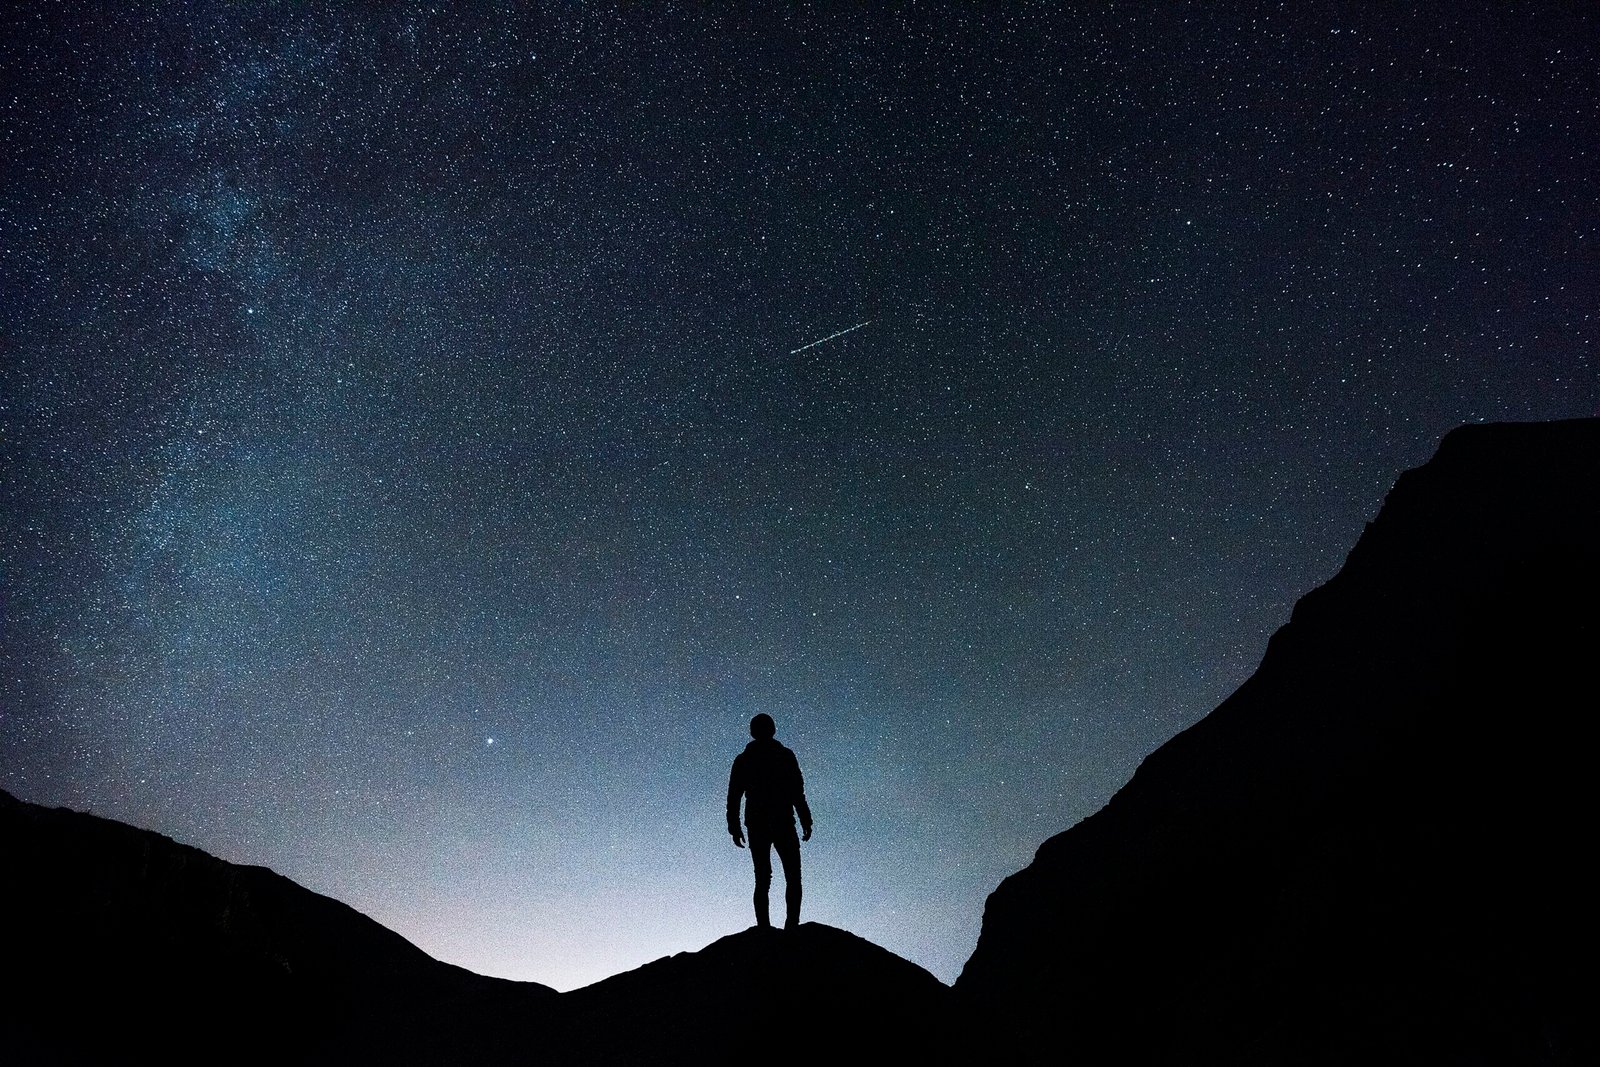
<point>813,994</point>
<point>1376,850</point>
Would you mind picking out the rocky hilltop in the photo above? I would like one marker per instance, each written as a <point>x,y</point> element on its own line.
<point>814,994</point>
<point>1374,850</point>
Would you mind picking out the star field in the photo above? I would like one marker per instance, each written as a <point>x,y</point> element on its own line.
<point>415,478</point>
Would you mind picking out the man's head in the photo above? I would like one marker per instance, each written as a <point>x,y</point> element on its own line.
<point>762,726</point>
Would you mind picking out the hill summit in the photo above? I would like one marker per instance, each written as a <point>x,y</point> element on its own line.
<point>816,993</point>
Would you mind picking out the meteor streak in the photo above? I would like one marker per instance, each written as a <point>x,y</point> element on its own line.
<point>831,336</point>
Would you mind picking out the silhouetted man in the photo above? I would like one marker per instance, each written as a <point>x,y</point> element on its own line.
<point>768,777</point>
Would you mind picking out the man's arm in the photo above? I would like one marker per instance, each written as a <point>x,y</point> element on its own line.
<point>735,792</point>
<point>800,806</point>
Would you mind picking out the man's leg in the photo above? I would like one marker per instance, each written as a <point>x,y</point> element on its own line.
<point>761,855</point>
<point>788,846</point>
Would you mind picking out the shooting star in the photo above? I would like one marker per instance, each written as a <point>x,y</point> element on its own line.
<point>831,336</point>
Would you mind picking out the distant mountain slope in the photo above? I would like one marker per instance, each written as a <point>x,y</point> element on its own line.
<point>1376,850</point>
<point>813,994</point>
<point>120,942</point>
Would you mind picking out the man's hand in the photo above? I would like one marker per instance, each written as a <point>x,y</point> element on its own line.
<point>738,839</point>
<point>806,836</point>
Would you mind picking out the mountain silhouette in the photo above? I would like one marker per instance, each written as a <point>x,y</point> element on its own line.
<point>1375,849</point>
<point>122,943</point>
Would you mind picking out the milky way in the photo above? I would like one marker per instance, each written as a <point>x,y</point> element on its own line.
<point>402,491</point>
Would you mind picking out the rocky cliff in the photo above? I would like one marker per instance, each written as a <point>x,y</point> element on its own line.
<point>1375,849</point>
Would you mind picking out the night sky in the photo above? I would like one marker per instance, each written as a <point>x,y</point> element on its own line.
<point>415,476</point>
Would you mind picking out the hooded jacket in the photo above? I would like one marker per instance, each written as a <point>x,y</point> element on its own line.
<point>767,776</point>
